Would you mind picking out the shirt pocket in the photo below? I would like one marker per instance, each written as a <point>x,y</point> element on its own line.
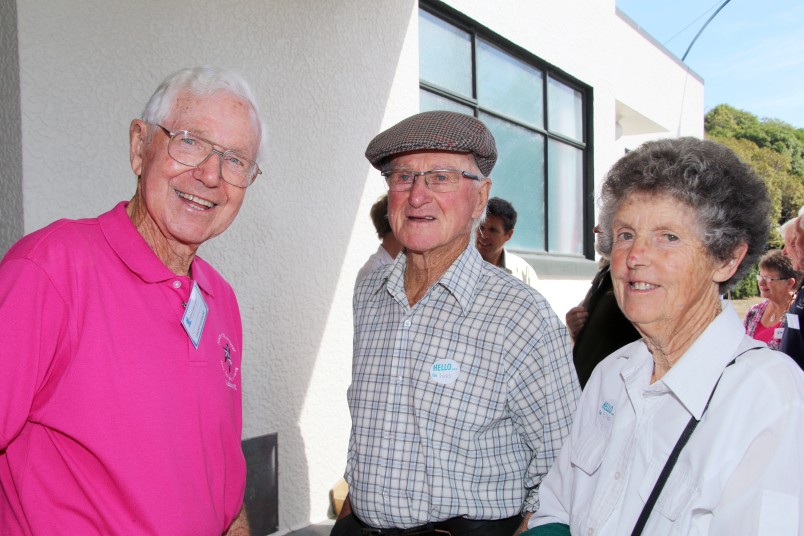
<point>587,452</point>
<point>677,491</point>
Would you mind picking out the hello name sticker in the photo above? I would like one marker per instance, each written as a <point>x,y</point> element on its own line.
<point>445,371</point>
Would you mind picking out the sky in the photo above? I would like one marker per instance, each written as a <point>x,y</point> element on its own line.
<point>751,55</point>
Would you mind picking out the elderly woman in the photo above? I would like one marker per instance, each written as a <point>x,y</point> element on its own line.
<point>682,220</point>
<point>778,282</point>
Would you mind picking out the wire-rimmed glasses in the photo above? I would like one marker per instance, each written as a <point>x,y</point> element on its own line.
<point>438,180</point>
<point>192,150</point>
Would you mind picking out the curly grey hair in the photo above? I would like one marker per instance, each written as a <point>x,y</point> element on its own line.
<point>732,203</point>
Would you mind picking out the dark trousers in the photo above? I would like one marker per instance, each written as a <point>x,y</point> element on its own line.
<point>352,526</point>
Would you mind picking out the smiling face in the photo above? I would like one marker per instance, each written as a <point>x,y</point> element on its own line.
<point>491,238</point>
<point>436,223</point>
<point>772,288</point>
<point>177,207</point>
<point>665,281</point>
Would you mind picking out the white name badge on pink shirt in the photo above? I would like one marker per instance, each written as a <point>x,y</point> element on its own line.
<point>195,315</point>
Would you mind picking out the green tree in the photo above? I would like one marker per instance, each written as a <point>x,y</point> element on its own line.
<point>725,121</point>
<point>772,147</point>
<point>786,189</point>
<point>775,151</point>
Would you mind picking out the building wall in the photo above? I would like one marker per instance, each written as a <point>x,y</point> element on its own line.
<point>329,76</point>
<point>11,224</point>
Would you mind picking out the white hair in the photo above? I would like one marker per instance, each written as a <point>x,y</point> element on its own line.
<point>201,81</point>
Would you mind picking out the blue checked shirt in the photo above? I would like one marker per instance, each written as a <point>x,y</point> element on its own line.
<point>460,403</point>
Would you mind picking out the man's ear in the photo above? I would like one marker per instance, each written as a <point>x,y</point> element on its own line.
<point>726,269</point>
<point>508,235</point>
<point>137,142</point>
<point>482,198</point>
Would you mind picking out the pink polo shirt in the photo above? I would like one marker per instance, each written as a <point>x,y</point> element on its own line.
<point>111,421</point>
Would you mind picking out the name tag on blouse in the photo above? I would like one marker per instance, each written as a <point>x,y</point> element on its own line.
<point>778,332</point>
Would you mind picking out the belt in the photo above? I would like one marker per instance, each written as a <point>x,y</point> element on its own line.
<point>455,526</point>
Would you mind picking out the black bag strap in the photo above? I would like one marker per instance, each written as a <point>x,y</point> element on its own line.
<point>671,460</point>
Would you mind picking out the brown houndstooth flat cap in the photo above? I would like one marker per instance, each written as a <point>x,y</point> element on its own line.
<point>436,131</point>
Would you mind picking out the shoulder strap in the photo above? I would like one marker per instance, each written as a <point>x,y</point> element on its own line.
<point>671,460</point>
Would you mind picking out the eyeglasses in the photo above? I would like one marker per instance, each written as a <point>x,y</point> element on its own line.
<point>191,150</point>
<point>767,278</point>
<point>438,180</point>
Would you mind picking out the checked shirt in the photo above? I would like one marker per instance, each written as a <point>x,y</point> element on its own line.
<point>460,403</point>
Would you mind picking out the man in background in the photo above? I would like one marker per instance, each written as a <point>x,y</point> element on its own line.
<point>492,235</point>
<point>792,338</point>
<point>389,246</point>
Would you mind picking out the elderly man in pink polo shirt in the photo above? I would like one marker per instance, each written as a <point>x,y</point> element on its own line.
<point>120,404</point>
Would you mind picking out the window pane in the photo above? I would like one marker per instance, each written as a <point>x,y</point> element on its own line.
<point>518,178</point>
<point>565,110</point>
<point>509,86</point>
<point>445,55</point>
<point>565,187</point>
<point>430,101</point>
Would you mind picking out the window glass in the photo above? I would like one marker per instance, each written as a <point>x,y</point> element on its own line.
<point>508,85</point>
<point>537,119</point>
<point>518,177</point>
<point>565,109</point>
<point>565,198</point>
<point>440,44</point>
<point>429,101</point>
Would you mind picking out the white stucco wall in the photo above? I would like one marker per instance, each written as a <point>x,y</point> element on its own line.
<point>329,76</point>
<point>11,225</point>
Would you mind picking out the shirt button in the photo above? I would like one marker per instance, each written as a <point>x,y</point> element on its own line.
<point>177,284</point>
<point>407,323</point>
<point>617,475</point>
<point>399,379</point>
<point>590,532</point>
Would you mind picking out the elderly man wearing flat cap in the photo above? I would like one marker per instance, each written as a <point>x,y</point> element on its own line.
<point>463,387</point>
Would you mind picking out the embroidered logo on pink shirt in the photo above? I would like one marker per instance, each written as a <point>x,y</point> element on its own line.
<point>227,365</point>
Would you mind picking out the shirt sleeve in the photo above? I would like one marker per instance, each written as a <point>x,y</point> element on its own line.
<point>762,493</point>
<point>555,493</point>
<point>542,401</point>
<point>33,316</point>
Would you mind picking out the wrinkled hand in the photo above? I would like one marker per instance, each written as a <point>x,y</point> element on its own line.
<point>576,319</point>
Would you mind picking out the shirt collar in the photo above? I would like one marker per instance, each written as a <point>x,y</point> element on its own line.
<point>694,376</point>
<point>133,250</point>
<point>502,264</point>
<point>460,279</point>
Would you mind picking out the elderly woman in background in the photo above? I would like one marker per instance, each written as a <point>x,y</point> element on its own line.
<point>681,220</point>
<point>778,282</point>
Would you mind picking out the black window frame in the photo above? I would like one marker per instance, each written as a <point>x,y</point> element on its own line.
<point>586,144</point>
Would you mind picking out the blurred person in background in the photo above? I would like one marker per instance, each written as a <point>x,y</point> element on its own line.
<point>793,337</point>
<point>389,246</point>
<point>777,281</point>
<point>492,235</point>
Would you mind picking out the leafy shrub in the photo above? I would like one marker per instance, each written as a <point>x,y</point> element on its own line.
<point>747,287</point>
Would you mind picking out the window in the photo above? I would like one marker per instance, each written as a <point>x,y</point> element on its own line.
<point>537,115</point>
